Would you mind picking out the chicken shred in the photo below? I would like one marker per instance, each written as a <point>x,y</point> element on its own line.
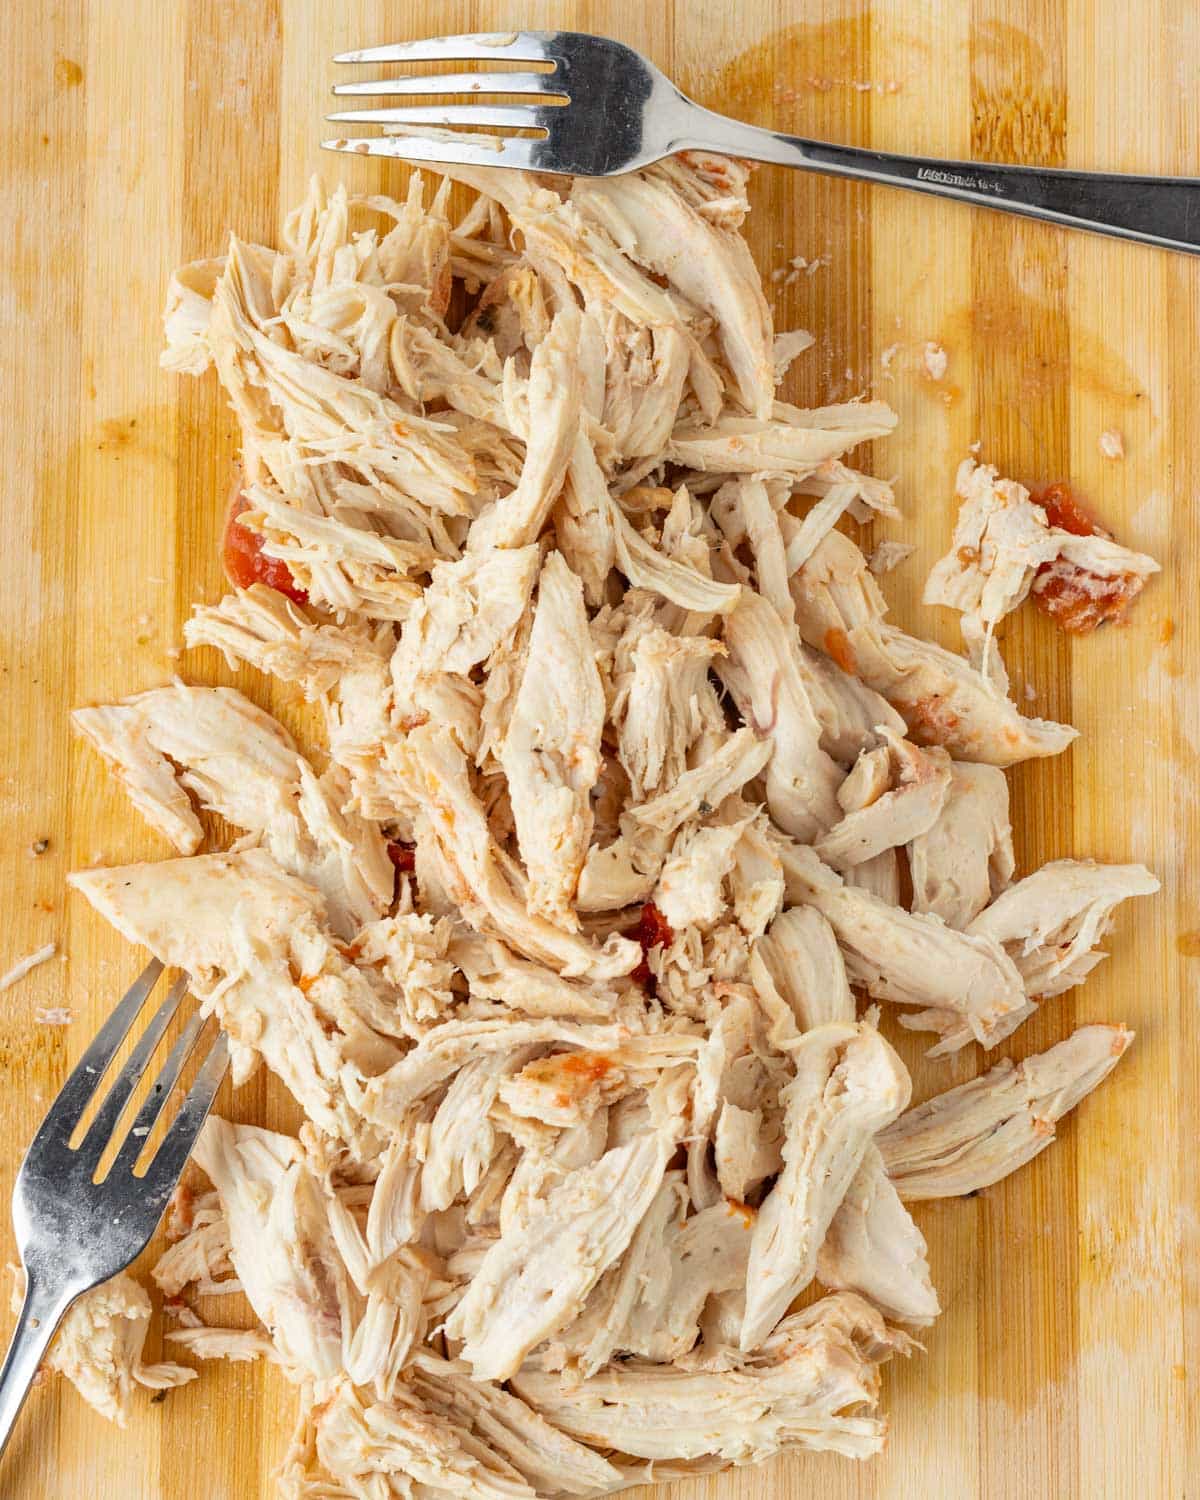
<point>553,941</point>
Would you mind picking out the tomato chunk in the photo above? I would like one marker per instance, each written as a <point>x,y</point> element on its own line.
<point>1065,510</point>
<point>652,931</point>
<point>403,856</point>
<point>1076,599</point>
<point>246,562</point>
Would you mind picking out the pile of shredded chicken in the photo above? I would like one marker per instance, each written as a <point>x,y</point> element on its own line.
<point>632,805</point>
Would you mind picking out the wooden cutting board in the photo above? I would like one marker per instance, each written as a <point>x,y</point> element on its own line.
<point>136,134</point>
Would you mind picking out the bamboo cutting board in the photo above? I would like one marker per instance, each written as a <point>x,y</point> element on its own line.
<point>137,132</point>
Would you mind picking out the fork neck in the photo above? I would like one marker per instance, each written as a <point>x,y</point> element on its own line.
<point>41,1313</point>
<point>701,129</point>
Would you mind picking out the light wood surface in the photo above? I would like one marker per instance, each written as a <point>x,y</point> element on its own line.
<point>137,132</point>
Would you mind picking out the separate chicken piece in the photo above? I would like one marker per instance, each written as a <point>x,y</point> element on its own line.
<point>746,509</point>
<point>763,674</point>
<point>849,712</point>
<point>888,555</point>
<point>234,755</point>
<point>200,1256</point>
<point>365,1446</point>
<point>564,1090</point>
<point>708,1255</point>
<point>965,859</point>
<point>909,959</point>
<point>411,953</point>
<point>796,1391</point>
<point>650,1303</point>
<point>185,316</point>
<point>462,1137</point>
<point>534,1281</point>
<point>690,890</point>
<point>1049,924</point>
<point>493,973</point>
<point>648,567</point>
<point>943,700</point>
<point>550,1461</point>
<point>483,881</point>
<point>801,954</point>
<point>469,608</point>
<point>238,1345</point>
<point>584,522</point>
<point>446,1048</point>
<point>244,766</point>
<point>281,1244</point>
<point>742,756</point>
<point>756,881</point>
<point>259,956</point>
<point>869,782</point>
<point>976,1134</point>
<point>265,629</point>
<point>99,1349</point>
<point>790,442</point>
<point>630,1292</point>
<point>551,747</point>
<point>889,801</point>
<point>551,426</point>
<point>1003,541</point>
<point>803,538</point>
<point>709,264</point>
<point>873,1247</point>
<point>663,702</point>
<point>848,1084</point>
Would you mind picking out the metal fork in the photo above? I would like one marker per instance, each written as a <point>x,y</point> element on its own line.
<point>74,1233</point>
<point>603,108</point>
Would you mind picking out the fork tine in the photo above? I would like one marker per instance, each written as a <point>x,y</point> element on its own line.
<point>100,1130</point>
<point>455,83</point>
<point>516,151</point>
<point>169,1160</point>
<point>517,46</point>
<point>156,1100</point>
<point>501,116</point>
<point>64,1113</point>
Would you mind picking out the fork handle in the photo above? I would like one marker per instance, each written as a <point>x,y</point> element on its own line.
<point>37,1324</point>
<point>1161,211</point>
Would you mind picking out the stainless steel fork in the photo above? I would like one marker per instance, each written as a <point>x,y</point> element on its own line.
<point>74,1233</point>
<point>603,108</point>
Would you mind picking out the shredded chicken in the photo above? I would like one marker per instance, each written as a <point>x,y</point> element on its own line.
<point>552,941</point>
<point>99,1349</point>
<point>978,1133</point>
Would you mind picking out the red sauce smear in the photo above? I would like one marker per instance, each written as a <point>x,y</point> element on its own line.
<point>573,1075</point>
<point>652,931</point>
<point>246,562</point>
<point>837,645</point>
<point>931,721</point>
<point>589,1067</point>
<point>1074,598</point>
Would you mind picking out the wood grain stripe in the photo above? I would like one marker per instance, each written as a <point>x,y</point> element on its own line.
<point>1023,350</point>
